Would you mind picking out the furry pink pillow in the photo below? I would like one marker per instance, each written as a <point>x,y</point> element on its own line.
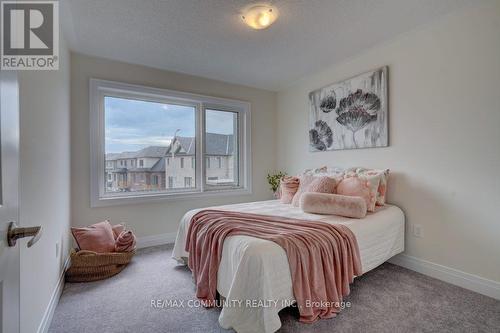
<point>322,185</point>
<point>314,184</point>
<point>333,204</point>
<point>98,237</point>
<point>289,186</point>
<point>357,187</point>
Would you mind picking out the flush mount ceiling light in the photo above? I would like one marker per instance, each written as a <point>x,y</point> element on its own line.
<point>259,16</point>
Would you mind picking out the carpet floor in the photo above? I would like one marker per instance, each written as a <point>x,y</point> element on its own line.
<point>388,299</point>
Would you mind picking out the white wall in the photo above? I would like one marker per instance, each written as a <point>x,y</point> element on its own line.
<point>159,217</point>
<point>444,120</point>
<point>45,183</point>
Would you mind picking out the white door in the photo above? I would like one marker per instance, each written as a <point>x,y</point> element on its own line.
<point>9,201</point>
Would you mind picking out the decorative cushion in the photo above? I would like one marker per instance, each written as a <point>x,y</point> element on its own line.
<point>373,182</point>
<point>382,187</point>
<point>288,187</point>
<point>322,184</point>
<point>312,172</point>
<point>334,172</point>
<point>333,204</point>
<point>97,237</point>
<point>357,187</point>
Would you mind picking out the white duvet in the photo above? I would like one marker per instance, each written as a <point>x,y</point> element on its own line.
<point>254,275</point>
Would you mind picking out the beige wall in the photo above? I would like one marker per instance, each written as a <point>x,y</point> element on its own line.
<point>45,183</point>
<point>444,119</point>
<point>159,217</point>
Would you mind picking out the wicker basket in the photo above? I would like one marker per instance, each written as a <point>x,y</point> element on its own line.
<point>92,266</point>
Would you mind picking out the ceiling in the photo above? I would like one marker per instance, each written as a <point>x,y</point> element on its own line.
<point>207,38</point>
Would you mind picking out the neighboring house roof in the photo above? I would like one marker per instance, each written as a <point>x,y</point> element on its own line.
<point>152,151</point>
<point>182,145</point>
<point>216,144</point>
<point>159,166</point>
<point>112,156</point>
<point>219,144</point>
<point>120,156</point>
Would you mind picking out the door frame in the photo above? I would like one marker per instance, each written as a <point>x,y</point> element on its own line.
<point>9,201</point>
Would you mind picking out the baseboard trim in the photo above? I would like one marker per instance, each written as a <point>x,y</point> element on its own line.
<point>454,276</point>
<point>154,240</point>
<point>142,242</point>
<point>54,300</point>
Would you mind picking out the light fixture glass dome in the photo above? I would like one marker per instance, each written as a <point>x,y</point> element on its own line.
<point>259,16</point>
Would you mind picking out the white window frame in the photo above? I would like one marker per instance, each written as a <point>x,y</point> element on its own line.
<point>100,88</point>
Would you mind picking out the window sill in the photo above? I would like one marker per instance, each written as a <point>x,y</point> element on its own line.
<point>149,198</point>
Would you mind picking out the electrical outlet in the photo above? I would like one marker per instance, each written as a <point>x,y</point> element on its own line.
<point>418,231</point>
<point>57,250</point>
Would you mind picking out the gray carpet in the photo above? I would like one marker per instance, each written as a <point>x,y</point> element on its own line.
<point>387,299</point>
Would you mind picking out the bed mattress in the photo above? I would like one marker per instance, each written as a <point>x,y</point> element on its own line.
<point>254,275</point>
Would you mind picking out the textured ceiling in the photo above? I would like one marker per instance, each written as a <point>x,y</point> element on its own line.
<point>207,38</point>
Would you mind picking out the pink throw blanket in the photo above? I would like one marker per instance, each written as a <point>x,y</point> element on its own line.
<point>323,258</point>
<point>125,242</point>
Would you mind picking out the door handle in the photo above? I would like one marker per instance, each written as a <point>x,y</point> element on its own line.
<point>15,232</point>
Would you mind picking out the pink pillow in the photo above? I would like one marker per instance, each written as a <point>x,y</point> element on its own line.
<point>333,204</point>
<point>356,187</point>
<point>383,174</point>
<point>97,237</point>
<point>322,184</point>
<point>289,186</point>
<point>373,183</point>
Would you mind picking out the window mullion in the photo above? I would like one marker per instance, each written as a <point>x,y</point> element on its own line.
<point>201,156</point>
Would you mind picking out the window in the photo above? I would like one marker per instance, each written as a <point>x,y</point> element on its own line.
<point>150,127</point>
<point>222,138</point>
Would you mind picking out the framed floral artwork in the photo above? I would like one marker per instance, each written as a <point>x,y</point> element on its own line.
<point>350,114</point>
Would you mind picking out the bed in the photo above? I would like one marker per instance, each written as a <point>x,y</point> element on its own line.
<point>257,270</point>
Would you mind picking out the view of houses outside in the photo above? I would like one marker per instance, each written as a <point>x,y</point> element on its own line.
<point>151,146</point>
<point>157,168</point>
